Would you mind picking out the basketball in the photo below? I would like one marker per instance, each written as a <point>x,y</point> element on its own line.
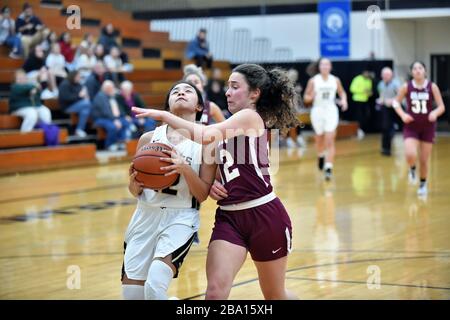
<point>147,163</point>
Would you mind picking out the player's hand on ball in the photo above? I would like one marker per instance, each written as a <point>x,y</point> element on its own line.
<point>151,113</point>
<point>217,191</point>
<point>134,186</point>
<point>407,118</point>
<point>432,117</point>
<point>178,164</point>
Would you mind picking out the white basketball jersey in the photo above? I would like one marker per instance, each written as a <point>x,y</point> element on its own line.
<point>325,91</point>
<point>177,195</point>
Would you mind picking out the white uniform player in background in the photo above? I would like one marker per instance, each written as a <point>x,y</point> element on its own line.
<point>165,222</point>
<point>321,92</point>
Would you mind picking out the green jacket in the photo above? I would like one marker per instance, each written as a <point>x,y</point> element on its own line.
<point>361,88</point>
<point>21,97</point>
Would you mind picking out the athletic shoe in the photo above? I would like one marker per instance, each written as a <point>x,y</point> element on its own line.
<point>423,190</point>
<point>301,142</point>
<point>290,143</point>
<point>80,133</point>
<point>412,178</point>
<point>328,174</point>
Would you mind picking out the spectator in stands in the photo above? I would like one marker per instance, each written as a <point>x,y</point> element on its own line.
<point>56,63</point>
<point>67,49</point>
<point>73,98</point>
<point>387,91</point>
<point>48,41</point>
<point>31,29</point>
<point>108,115</point>
<point>99,52</point>
<point>48,84</point>
<point>361,88</point>
<point>211,112</point>
<point>108,37</point>
<point>8,34</point>
<point>87,42</point>
<point>95,80</point>
<point>198,49</point>
<point>85,61</point>
<point>34,63</point>
<point>114,65</point>
<point>127,98</point>
<point>215,91</point>
<point>25,102</point>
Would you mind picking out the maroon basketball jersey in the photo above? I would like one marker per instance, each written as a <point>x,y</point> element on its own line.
<point>244,168</point>
<point>419,101</point>
<point>206,117</point>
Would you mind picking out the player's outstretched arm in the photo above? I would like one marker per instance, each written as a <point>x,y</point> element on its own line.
<point>244,122</point>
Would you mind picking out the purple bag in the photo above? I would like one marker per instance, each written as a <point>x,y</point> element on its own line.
<point>51,133</point>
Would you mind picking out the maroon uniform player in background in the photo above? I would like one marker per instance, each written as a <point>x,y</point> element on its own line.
<point>420,121</point>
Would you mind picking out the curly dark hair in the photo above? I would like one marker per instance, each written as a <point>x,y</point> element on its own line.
<point>276,103</point>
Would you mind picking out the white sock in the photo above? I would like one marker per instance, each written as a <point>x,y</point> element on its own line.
<point>328,165</point>
<point>158,280</point>
<point>133,292</point>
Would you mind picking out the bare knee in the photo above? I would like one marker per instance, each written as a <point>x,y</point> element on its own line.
<point>218,288</point>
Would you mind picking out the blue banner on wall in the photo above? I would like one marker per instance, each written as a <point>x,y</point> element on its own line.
<point>334,28</point>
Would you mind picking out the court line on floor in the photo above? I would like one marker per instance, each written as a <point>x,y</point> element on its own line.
<point>53,194</point>
<point>364,282</point>
<point>437,254</point>
<point>323,265</point>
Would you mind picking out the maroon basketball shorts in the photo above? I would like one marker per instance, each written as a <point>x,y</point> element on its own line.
<point>422,131</point>
<point>265,231</point>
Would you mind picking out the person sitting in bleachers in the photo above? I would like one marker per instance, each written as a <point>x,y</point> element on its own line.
<point>108,115</point>
<point>30,28</point>
<point>25,102</point>
<point>198,49</point>
<point>109,37</point>
<point>114,65</point>
<point>99,52</point>
<point>95,80</point>
<point>37,72</point>
<point>127,98</point>
<point>68,49</point>
<point>48,41</point>
<point>56,63</point>
<point>8,34</point>
<point>85,61</point>
<point>73,98</point>
<point>215,91</point>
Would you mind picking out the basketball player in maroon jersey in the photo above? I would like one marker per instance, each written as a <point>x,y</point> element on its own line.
<point>250,218</point>
<point>420,121</point>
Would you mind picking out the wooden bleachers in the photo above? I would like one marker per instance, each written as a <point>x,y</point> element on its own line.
<point>157,65</point>
<point>37,158</point>
<point>17,139</point>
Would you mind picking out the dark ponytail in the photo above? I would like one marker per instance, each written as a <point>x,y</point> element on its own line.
<point>276,103</point>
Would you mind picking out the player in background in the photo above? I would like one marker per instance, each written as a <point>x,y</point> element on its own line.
<point>250,217</point>
<point>165,222</point>
<point>321,92</point>
<point>420,121</point>
<point>211,111</point>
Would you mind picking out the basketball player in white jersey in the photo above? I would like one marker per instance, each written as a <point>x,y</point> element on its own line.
<point>165,222</point>
<point>321,92</point>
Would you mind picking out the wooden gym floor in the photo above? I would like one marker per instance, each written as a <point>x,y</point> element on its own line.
<point>366,225</point>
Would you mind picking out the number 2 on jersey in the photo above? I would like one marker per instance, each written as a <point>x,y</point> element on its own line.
<point>419,106</point>
<point>229,161</point>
